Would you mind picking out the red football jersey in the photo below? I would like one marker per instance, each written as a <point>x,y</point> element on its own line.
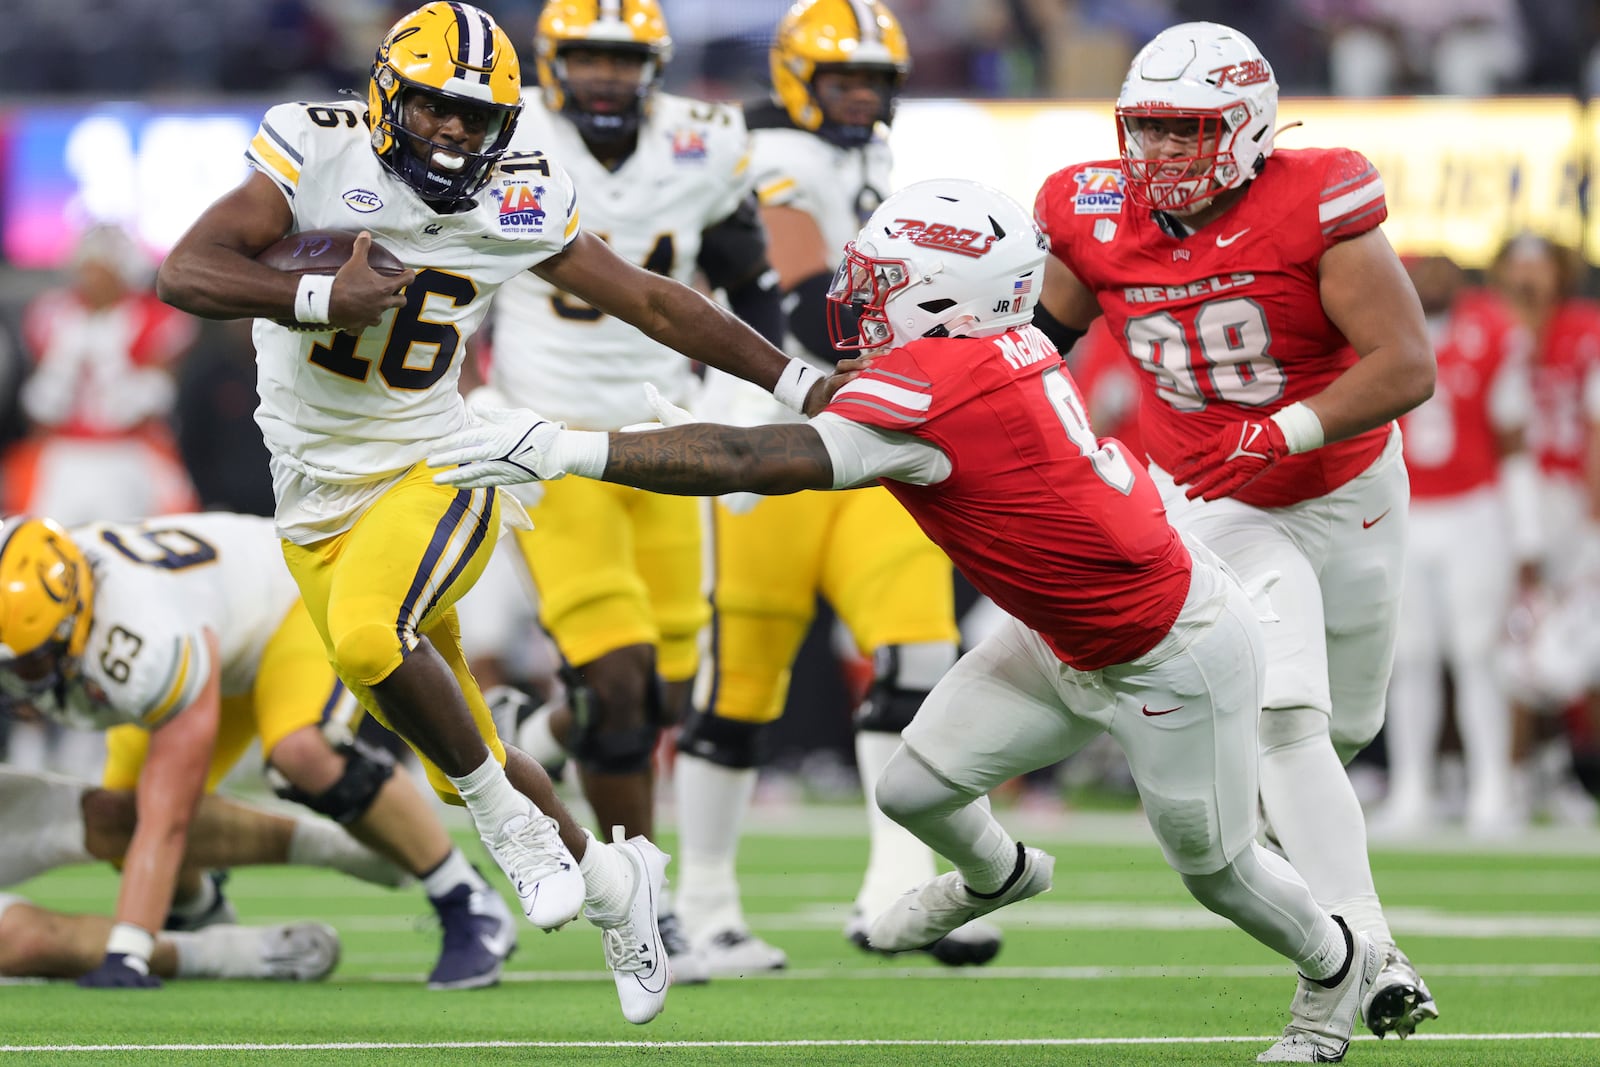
<point>1110,386</point>
<point>1058,527</point>
<point>1566,354</point>
<point>1450,441</point>
<point>1227,323</point>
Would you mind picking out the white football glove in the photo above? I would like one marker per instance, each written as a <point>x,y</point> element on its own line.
<point>507,446</point>
<point>670,414</point>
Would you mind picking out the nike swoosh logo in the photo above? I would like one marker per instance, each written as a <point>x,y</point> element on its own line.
<point>1224,242</point>
<point>1169,711</point>
<point>1246,439</point>
<point>1367,524</point>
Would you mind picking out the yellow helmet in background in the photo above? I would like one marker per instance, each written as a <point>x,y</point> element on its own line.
<point>451,50</point>
<point>835,34</point>
<point>46,593</point>
<point>636,27</point>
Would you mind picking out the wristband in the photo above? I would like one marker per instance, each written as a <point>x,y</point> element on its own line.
<point>312,299</point>
<point>131,941</point>
<point>583,452</point>
<point>1302,430</point>
<point>795,383</point>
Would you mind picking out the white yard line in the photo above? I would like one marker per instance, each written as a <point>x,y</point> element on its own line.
<point>1049,1042</point>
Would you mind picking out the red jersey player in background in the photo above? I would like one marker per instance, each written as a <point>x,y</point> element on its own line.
<point>1278,339</point>
<point>1540,280</point>
<point>968,416</point>
<point>1470,470</point>
<point>1110,387</point>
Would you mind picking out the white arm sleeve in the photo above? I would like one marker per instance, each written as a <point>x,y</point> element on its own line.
<point>862,454</point>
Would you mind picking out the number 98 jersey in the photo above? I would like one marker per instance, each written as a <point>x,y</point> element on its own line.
<point>158,586</point>
<point>347,409</point>
<point>1225,323</point>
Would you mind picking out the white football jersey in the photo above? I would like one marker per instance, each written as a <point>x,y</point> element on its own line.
<point>347,410</point>
<point>555,353</point>
<point>158,586</point>
<point>838,187</point>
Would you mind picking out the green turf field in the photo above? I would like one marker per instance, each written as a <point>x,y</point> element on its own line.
<point>1116,966</point>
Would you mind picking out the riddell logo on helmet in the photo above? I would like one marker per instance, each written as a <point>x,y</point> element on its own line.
<point>1250,72</point>
<point>944,237</point>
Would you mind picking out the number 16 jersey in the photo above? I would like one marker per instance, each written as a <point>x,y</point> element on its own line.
<point>1226,323</point>
<point>349,409</point>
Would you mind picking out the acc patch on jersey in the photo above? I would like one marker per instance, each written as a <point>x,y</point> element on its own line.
<point>520,210</point>
<point>1099,191</point>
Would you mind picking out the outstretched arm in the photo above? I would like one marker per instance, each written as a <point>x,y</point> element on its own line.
<point>705,459</point>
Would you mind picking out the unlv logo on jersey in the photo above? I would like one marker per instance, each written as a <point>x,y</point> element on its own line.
<point>943,237</point>
<point>1250,72</point>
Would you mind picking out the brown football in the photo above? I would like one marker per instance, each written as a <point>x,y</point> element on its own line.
<point>324,252</point>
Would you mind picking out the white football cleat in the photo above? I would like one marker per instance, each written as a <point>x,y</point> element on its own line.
<point>734,952</point>
<point>1399,1001</point>
<point>541,868</point>
<point>688,966</point>
<point>936,908</point>
<point>970,944</point>
<point>634,950</point>
<point>1322,1019</point>
<point>299,952</point>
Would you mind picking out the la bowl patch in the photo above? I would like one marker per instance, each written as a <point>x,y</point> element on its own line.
<point>363,200</point>
<point>1099,191</point>
<point>520,210</point>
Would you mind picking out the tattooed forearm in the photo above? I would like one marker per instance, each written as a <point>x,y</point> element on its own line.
<point>705,459</point>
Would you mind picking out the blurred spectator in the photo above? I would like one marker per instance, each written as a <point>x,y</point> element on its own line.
<point>1455,47</point>
<point>1540,280</point>
<point>1470,470</point>
<point>99,393</point>
<point>218,437</point>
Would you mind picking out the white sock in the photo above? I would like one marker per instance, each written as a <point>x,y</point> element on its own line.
<point>896,860</point>
<point>322,843</point>
<point>1411,733</point>
<point>451,872</point>
<point>536,739</point>
<point>1484,719</point>
<point>607,882</point>
<point>994,853</point>
<point>1262,895</point>
<point>1314,812</point>
<point>491,798</point>
<point>219,952</point>
<point>44,824</point>
<point>712,801</point>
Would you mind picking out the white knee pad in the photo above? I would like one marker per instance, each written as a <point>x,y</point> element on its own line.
<point>1289,727</point>
<point>1351,732</point>
<point>907,790</point>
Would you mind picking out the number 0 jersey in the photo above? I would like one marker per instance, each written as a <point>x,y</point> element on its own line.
<point>1059,528</point>
<point>1226,323</point>
<point>345,409</point>
<point>555,353</point>
<point>158,586</point>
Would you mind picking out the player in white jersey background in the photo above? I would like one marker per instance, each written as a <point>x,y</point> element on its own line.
<point>349,408</point>
<point>820,160</point>
<point>664,182</point>
<point>187,641</point>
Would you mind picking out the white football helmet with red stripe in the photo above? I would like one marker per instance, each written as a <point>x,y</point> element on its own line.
<point>1211,75</point>
<point>946,257</point>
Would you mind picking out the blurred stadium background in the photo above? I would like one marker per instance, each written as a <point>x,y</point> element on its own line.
<point>1482,115</point>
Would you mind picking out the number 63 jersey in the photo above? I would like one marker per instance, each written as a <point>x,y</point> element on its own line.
<point>347,409</point>
<point>1225,323</point>
<point>159,586</point>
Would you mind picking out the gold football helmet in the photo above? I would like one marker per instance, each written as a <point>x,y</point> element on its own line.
<point>456,52</point>
<point>820,35</point>
<point>46,590</point>
<point>637,27</point>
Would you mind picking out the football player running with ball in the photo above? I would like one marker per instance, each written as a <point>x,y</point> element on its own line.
<point>969,417</point>
<point>350,407</point>
<point>1278,338</point>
